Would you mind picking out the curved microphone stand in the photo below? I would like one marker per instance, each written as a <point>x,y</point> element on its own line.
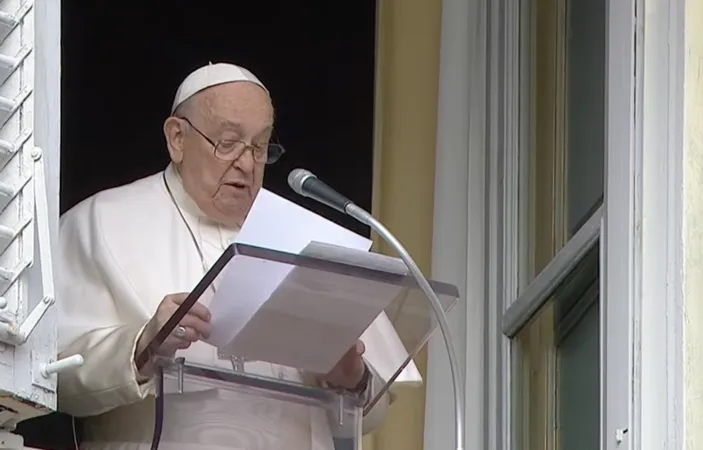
<point>366,218</point>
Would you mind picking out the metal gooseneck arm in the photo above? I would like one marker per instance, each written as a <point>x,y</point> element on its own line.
<point>366,218</point>
<point>306,184</point>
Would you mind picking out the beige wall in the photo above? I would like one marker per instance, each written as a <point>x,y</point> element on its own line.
<point>693,225</point>
<point>407,80</point>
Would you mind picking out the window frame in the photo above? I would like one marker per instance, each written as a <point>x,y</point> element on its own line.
<point>658,314</point>
<point>641,243</point>
<point>539,291</point>
<point>640,223</point>
<point>612,226</point>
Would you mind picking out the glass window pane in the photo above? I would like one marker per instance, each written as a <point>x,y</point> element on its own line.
<point>562,170</point>
<point>578,379</point>
<point>585,52</point>
<point>556,364</point>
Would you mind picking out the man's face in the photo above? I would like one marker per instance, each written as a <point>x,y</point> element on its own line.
<point>229,115</point>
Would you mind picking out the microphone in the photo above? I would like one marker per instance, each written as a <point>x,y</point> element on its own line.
<point>305,183</point>
<point>308,185</point>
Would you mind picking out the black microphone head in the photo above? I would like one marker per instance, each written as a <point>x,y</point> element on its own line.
<point>297,177</point>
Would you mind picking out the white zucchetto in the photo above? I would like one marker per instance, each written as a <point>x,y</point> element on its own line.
<point>212,75</point>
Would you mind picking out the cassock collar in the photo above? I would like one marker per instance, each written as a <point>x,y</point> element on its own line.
<point>185,201</point>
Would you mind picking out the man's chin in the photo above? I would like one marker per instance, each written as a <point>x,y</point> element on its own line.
<point>232,214</point>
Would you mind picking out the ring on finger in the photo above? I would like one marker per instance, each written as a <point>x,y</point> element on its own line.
<point>180,332</point>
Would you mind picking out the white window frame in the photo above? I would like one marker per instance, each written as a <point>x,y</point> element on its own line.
<point>620,225</point>
<point>643,369</point>
<point>657,399</point>
<point>641,230</point>
<point>475,240</point>
<point>47,116</point>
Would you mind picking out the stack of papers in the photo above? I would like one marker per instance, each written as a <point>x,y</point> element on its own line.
<point>299,316</point>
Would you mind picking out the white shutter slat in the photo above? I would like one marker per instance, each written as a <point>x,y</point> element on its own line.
<point>28,331</point>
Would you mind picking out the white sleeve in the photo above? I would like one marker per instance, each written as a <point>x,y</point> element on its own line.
<point>93,322</point>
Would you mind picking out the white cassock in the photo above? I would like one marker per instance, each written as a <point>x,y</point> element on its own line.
<point>121,251</point>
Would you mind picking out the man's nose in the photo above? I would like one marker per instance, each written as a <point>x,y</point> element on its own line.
<point>246,162</point>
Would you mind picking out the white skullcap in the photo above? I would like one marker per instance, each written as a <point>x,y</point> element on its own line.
<point>212,75</point>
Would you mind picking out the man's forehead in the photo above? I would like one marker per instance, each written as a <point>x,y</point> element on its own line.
<point>227,103</point>
<point>238,127</point>
<point>240,114</point>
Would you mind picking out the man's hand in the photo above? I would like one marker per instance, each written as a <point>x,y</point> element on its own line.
<point>349,371</point>
<point>194,326</point>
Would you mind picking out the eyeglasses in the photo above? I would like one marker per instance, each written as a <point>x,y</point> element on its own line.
<point>231,149</point>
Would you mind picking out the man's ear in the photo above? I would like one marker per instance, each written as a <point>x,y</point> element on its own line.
<point>173,131</point>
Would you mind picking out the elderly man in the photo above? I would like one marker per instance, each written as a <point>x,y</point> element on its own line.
<point>128,257</point>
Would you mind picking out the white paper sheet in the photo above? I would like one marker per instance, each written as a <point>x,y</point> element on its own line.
<point>279,224</point>
<point>311,319</point>
<point>248,284</point>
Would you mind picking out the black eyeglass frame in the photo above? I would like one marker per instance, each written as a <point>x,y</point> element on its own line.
<point>230,150</point>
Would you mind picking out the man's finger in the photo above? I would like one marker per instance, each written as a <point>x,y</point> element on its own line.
<point>185,332</point>
<point>199,310</point>
<point>360,347</point>
<point>182,345</point>
<point>174,301</point>
<point>179,298</point>
<point>197,327</point>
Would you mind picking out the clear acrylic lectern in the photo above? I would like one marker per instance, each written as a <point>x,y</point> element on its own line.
<point>280,321</point>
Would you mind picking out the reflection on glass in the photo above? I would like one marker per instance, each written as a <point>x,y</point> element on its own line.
<point>563,172</point>
<point>556,364</point>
